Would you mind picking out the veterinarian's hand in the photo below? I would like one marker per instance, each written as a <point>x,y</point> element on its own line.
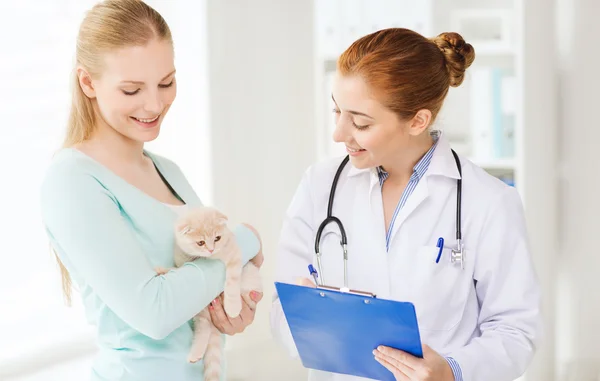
<point>306,282</point>
<point>406,367</point>
<point>230,326</point>
<point>259,258</point>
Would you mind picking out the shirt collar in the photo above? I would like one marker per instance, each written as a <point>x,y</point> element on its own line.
<point>422,165</point>
<point>442,161</point>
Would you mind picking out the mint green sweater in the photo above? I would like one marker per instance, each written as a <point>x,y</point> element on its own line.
<point>110,235</point>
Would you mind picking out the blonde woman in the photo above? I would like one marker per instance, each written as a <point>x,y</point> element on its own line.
<point>109,205</point>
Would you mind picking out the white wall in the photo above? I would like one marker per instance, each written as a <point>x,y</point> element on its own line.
<point>262,120</point>
<point>578,312</point>
<point>34,99</point>
<point>538,146</point>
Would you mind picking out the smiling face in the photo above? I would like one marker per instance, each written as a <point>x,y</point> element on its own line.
<point>399,79</point>
<point>134,91</point>
<point>372,133</point>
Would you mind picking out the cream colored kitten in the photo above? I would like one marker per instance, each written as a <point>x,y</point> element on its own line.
<point>203,232</point>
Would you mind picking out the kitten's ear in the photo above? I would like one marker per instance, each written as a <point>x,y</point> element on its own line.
<point>183,228</point>
<point>221,218</point>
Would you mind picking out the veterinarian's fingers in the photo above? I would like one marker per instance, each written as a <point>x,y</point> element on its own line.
<point>302,281</point>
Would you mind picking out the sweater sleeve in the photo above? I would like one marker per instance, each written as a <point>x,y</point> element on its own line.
<point>84,223</point>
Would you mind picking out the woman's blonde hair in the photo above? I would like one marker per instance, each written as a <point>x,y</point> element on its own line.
<point>109,25</point>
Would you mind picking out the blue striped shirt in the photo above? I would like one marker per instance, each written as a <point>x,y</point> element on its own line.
<point>456,371</point>
<point>418,172</point>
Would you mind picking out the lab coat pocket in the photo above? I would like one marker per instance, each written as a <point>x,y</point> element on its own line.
<point>439,294</point>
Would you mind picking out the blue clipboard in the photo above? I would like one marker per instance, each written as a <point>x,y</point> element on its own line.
<point>337,331</point>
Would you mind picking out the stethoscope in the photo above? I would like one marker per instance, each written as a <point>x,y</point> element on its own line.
<point>457,255</point>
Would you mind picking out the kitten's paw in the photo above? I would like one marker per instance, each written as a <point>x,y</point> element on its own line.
<point>197,352</point>
<point>233,307</point>
<point>193,357</point>
<point>161,270</point>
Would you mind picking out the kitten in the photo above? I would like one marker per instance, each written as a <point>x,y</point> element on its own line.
<point>203,232</point>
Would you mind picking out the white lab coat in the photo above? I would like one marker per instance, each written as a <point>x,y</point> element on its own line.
<point>487,316</point>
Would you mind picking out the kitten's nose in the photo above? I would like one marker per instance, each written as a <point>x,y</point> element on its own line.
<point>211,250</point>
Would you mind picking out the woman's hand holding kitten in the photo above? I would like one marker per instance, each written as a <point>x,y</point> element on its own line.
<point>232,326</point>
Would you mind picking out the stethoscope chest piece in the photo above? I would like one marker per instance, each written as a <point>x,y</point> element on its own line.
<point>458,255</point>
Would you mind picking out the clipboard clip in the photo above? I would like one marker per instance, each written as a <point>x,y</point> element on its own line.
<point>346,290</point>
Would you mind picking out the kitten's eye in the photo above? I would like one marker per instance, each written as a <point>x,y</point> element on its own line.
<point>217,238</point>
<point>200,243</point>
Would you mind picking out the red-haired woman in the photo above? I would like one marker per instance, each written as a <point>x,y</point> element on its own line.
<point>478,306</point>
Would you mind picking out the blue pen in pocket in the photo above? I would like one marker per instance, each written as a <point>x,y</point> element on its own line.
<point>440,245</point>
